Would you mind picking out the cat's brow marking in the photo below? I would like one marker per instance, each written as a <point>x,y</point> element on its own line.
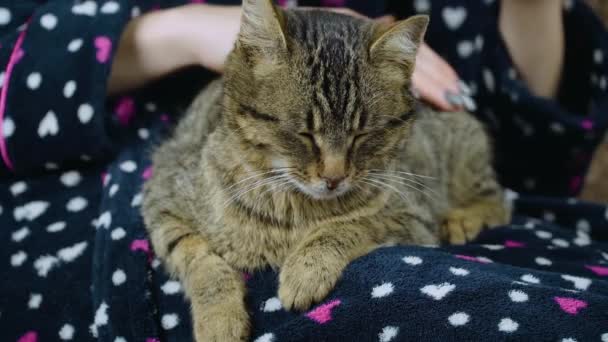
<point>245,109</point>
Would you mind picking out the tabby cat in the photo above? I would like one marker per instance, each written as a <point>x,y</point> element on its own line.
<point>310,152</point>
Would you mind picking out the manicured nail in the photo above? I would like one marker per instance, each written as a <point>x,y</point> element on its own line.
<point>454,99</point>
<point>415,93</point>
<point>469,103</point>
<point>464,88</point>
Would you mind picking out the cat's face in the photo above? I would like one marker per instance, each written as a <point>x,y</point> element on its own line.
<point>318,99</point>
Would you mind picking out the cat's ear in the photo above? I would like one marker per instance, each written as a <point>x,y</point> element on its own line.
<point>399,43</point>
<point>262,25</point>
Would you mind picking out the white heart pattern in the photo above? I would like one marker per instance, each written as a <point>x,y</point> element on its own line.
<point>48,125</point>
<point>422,6</point>
<point>437,292</point>
<point>580,283</point>
<point>454,17</point>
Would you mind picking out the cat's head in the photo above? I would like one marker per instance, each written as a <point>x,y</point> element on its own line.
<point>320,98</point>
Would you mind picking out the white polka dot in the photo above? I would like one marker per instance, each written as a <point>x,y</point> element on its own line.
<point>75,45</point>
<point>85,113</point>
<point>77,204</point>
<point>508,325</point>
<point>560,243</point>
<point>113,190</point>
<point>48,21</point>
<point>528,278</point>
<point>56,227</point>
<point>465,48</point>
<point>543,234</point>
<point>69,89</point>
<point>69,254</point>
<point>459,319</point>
<point>128,166</point>
<point>143,133</point>
<point>412,260</point>
<point>101,315</point>
<point>598,56</point>
<point>150,106</point>
<point>155,263</point>
<point>493,247</point>
<point>67,332</point>
<point>85,157</point>
<point>18,259</point>
<point>479,42</point>
<point>70,178</point>
<point>172,287</point>
<point>33,80</point>
<point>459,271</point>
<point>88,7</point>
<point>51,166</point>
<point>169,321</point>
<point>530,225</point>
<point>272,305</point>
<point>580,283</point>
<point>120,339</point>
<point>118,234</point>
<point>18,188</point>
<point>605,337</point>
<point>110,7</point>
<point>119,277</point>
<point>568,339</point>
<point>485,259</point>
<point>422,6</point>
<point>21,234</point>
<point>30,211</point>
<point>135,12</point>
<point>35,301</point>
<point>5,16</point>
<point>543,261</point>
<point>488,79</point>
<point>549,216</point>
<point>137,199</point>
<point>8,127</point>
<point>388,334</point>
<point>582,239</point>
<point>268,337</point>
<point>583,225</point>
<point>382,290</point>
<point>518,296</point>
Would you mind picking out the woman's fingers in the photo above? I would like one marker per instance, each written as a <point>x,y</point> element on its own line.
<point>438,84</point>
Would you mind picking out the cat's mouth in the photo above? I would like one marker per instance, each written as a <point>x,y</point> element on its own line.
<point>321,191</point>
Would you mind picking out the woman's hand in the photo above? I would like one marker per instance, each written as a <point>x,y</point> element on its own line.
<point>161,42</point>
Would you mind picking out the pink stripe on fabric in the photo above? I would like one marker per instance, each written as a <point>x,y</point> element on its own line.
<point>7,77</point>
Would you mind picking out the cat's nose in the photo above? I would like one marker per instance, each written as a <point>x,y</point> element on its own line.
<point>333,183</point>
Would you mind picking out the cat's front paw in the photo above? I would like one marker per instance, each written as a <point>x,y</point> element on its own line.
<point>220,323</point>
<point>464,224</point>
<point>304,282</point>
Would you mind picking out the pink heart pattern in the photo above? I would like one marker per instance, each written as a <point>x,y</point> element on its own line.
<point>514,244</point>
<point>125,110</point>
<point>322,314</point>
<point>599,270</point>
<point>571,306</point>
<point>103,45</point>
<point>30,336</point>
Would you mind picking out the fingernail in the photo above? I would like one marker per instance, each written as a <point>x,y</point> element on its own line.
<point>464,88</point>
<point>469,103</point>
<point>454,99</point>
<point>415,93</point>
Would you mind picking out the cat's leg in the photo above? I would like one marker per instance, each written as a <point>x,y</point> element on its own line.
<point>476,197</point>
<point>216,290</point>
<point>311,271</point>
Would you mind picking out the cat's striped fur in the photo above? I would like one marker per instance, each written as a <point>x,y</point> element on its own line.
<point>310,97</point>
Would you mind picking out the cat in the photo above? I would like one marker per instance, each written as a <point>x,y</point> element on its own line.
<point>310,152</point>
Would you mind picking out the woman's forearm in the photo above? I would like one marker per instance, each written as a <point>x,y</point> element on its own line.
<point>162,42</point>
<point>534,33</point>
